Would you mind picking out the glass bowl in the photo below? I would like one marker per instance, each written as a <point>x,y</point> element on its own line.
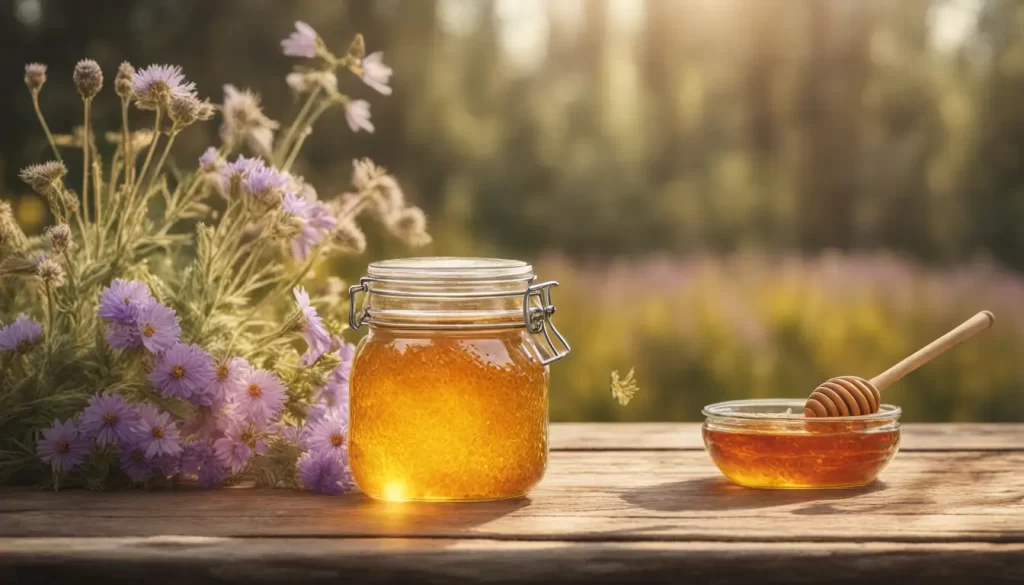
<point>768,443</point>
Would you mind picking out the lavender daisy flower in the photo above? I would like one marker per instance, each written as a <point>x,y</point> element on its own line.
<point>208,423</point>
<point>357,114</point>
<point>185,371</point>
<point>165,465</point>
<point>328,435</point>
<point>200,460</point>
<point>134,463</point>
<point>261,399</point>
<point>63,447</point>
<point>230,380</point>
<point>20,335</point>
<point>302,42</point>
<point>121,301</point>
<point>156,85</point>
<point>124,336</point>
<point>313,330</point>
<point>210,161</point>
<point>109,420</point>
<point>265,184</point>
<point>241,167</point>
<point>233,450</point>
<point>317,223</point>
<point>324,473</point>
<point>159,435</point>
<point>158,327</point>
<point>375,73</point>
<point>295,435</point>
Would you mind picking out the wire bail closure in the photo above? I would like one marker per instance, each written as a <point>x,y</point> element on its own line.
<point>537,312</point>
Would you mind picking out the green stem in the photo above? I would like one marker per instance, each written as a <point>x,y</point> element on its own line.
<point>46,128</point>
<point>283,146</point>
<point>163,158</point>
<point>306,132</point>
<point>130,200</point>
<point>87,169</point>
<point>129,162</point>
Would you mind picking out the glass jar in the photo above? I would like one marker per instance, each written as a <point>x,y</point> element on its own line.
<point>449,389</point>
<point>769,443</point>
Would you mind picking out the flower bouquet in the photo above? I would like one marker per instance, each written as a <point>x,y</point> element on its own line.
<point>160,330</point>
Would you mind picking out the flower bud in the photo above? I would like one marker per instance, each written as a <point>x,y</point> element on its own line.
<point>35,76</point>
<point>88,78</point>
<point>184,109</point>
<point>124,83</point>
<point>60,237</point>
<point>348,238</point>
<point>49,271</point>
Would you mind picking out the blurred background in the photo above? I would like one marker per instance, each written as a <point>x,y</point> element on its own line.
<point>740,197</point>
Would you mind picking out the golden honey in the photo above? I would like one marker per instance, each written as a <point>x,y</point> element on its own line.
<point>790,451</point>
<point>448,416</point>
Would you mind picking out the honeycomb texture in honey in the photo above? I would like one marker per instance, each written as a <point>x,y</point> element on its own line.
<point>841,457</point>
<point>448,416</point>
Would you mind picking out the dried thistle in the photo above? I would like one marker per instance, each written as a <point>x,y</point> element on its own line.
<point>12,238</point>
<point>60,237</point>
<point>35,76</point>
<point>124,82</point>
<point>245,122</point>
<point>410,225</point>
<point>88,78</point>
<point>624,389</point>
<point>348,238</point>
<point>43,176</point>
<point>49,271</point>
<point>185,109</point>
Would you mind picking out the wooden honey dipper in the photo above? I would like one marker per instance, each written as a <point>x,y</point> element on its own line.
<point>852,396</point>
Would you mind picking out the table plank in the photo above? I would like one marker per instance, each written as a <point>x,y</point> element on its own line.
<point>177,560</point>
<point>687,436</point>
<point>586,497</point>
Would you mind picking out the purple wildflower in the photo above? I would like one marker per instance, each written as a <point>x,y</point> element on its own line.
<point>208,423</point>
<point>63,447</point>
<point>329,434</point>
<point>185,371</point>
<point>165,465</point>
<point>134,463</point>
<point>233,449</point>
<point>20,335</point>
<point>200,460</point>
<point>124,336</point>
<point>158,327</point>
<point>261,398</point>
<point>357,114</point>
<point>109,420</point>
<point>317,222</point>
<point>295,435</point>
<point>156,85</point>
<point>210,161</point>
<point>335,393</point>
<point>302,42</point>
<point>375,73</point>
<point>241,167</point>
<point>324,473</point>
<point>122,301</point>
<point>313,330</point>
<point>265,184</point>
<point>159,435</point>
<point>229,380</point>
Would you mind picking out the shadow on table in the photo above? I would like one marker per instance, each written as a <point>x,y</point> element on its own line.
<point>720,494</point>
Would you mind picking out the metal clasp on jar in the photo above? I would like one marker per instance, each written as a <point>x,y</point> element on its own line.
<point>538,319</point>
<point>537,312</point>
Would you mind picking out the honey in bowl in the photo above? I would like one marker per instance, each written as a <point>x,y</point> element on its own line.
<point>770,444</point>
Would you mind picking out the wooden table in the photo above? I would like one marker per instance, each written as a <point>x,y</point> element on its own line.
<point>626,502</point>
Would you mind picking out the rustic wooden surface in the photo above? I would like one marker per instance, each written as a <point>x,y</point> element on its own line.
<point>636,503</point>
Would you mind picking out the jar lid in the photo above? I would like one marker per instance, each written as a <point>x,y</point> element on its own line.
<point>450,268</point>
<point>438,293</point>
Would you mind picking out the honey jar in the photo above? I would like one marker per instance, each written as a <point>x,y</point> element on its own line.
<point>449,388</point>
<point>771,444</point>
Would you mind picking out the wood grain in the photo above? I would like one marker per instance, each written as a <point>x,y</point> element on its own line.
<point>620,502</point>
<point>190,560</point>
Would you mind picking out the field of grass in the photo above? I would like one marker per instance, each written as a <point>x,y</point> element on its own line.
<point>718,328</point>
